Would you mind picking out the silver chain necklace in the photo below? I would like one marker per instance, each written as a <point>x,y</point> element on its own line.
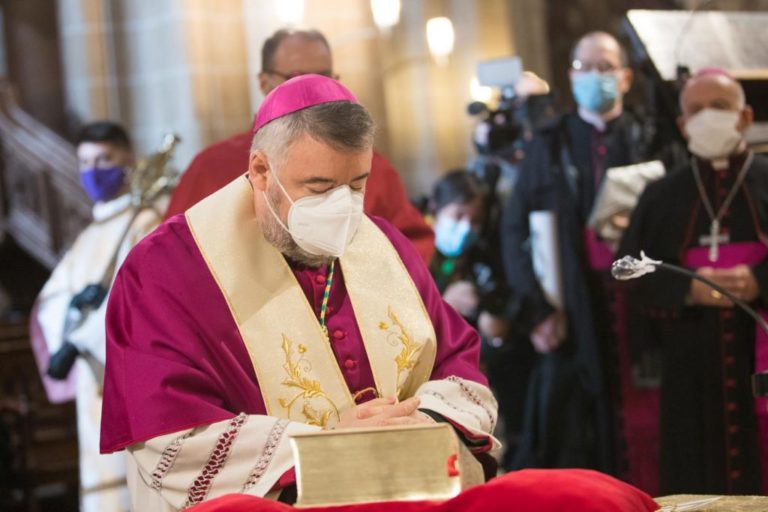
<point>715,237</point>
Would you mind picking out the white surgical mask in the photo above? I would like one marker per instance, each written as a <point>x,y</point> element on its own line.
<point>712,133</point>
<point>323,224</point>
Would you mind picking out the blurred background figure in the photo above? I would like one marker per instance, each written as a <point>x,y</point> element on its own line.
<point>709,216</point>
<point>460,222</point>
<point>467,269</point>
<point>572,410</point>
<point>69,315</point>
<point>525,105</point>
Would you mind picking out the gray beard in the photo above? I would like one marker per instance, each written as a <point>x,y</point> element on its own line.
<point>281,240</point>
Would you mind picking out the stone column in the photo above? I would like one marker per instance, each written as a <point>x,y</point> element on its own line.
<point>87,51</point>
<point>426,102</point>
<point>31,57</point>
<point>158,66</point>
<point>529,27</point>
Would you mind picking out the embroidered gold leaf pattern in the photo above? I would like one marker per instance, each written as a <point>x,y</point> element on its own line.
<point>407,359</point>
<point>315,417</point>
<point>308,388</point>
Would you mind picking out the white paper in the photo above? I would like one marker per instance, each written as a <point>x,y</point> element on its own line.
<point>545,253</point>
<point>619,194</point>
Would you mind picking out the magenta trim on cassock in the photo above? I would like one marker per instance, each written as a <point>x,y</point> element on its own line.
<point>599,254</point>
<point>730,255</point>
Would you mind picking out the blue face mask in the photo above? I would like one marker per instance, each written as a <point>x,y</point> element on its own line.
<point>102,184</point>
<point>596,92</point>
<point>453,237</point>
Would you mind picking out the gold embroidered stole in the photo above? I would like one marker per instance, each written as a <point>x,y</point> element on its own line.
<point>298,374</point>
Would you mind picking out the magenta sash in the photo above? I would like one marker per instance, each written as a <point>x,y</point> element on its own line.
<point>730,255</point>
<point>600,255</point>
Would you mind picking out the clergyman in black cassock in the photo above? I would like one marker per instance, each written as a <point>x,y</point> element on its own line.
<point>569,420</point>
<point>710,215</point>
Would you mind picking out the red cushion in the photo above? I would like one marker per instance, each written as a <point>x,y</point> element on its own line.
<point>539,490</point>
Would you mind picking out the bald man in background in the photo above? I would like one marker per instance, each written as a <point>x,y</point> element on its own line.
<point>710,216</point>
<point>287,54</point>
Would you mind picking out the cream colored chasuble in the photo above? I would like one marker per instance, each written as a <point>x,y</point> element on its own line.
<point>298,374</point>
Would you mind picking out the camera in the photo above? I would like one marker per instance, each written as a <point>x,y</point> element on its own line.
<point>524,105</point>
<point>501,134</point>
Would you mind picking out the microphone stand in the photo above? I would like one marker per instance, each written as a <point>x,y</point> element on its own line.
<point>628,268</point>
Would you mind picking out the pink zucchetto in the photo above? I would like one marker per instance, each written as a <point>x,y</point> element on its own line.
<point>299,93</point>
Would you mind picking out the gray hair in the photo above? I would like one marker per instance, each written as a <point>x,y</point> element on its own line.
<point>342,125</point>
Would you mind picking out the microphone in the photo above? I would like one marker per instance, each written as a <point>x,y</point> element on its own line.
<point>628,268</point>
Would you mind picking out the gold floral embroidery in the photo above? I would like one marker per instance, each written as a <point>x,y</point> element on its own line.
<point>315,417</point>
<point>407,359</point>
<point>309,389</point>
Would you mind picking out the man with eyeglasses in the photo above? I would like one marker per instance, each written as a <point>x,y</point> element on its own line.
<point>571,407</point>
<point>288,54</point>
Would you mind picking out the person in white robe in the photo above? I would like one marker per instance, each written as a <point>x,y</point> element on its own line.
<point>70,311</point>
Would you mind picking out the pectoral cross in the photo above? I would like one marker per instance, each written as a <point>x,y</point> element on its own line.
<point>714,239</point>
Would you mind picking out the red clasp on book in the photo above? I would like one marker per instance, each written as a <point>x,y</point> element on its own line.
<point>451,463</point>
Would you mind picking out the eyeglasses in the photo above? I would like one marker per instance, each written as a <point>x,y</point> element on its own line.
<point>327,73</point>
<point>602,66</point>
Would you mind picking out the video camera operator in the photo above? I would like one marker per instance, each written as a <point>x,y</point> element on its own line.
<point>525,104</point>
<point>500,137</point>
<point>467,270</point>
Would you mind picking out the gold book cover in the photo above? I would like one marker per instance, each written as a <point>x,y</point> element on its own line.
<point>340,467</point>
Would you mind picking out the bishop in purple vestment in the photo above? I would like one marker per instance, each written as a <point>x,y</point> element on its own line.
<point>273,307</point>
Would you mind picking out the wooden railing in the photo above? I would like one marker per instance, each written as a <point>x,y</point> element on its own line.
<point>39,467</point>
<point>41,202</point>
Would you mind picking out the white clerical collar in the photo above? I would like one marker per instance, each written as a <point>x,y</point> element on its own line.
<point>104,210</point>
<point>599,121</point>
<point>720,164</point>
<point>723,163</point>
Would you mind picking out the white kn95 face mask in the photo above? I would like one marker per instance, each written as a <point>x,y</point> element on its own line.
<point>323,224</point>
